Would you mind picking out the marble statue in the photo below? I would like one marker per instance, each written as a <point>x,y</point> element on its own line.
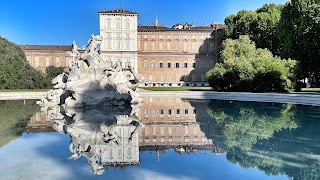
<point>92,82</point>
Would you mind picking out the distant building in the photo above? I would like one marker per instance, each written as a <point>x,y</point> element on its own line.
<point>176,56</point>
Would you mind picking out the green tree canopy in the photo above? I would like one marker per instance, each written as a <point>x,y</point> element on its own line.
<point>260,25</point>
<point>243,67</point>
<point>52,72</point>
<point>15,71</point>
<point>299,32</point>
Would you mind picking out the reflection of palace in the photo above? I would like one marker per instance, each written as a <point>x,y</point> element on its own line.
<point>170,122</point>
<point>40,122</point>
<point>114,137</point>
<point>165,56</point>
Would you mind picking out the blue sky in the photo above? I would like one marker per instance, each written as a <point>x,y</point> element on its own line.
<point>59,22</point>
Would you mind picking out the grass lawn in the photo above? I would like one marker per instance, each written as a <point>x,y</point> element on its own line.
<point>184,88</point>
<point>24,90</point>
<point>313,90</point>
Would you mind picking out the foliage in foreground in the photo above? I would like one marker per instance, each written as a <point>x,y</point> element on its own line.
<point>243,67</point>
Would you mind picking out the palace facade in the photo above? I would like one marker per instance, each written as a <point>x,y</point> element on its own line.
<point>165,56</point>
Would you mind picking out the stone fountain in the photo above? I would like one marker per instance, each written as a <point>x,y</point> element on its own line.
<point>91,81</point>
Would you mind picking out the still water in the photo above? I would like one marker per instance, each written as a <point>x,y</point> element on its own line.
<point>165,138</point>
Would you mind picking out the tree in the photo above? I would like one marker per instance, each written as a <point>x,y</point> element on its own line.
<point>260,25</point>
<point>299,32</point>
<point>15,71</point>
<point>52,72</point>
<point>242,67</point>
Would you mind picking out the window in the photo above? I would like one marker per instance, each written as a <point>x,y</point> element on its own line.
<point>47,61</point>
<point>194,77</point>
<point>127,24</point>
<point>153,65</point>
<point>145,65</point>
<point>211,47</point>
<point>118,24</point>
<point>36,62</point>
<point>168,45</point>
<point>58,61</point>
<point>118,44</point>
<point>178,111</point>
<point>145,46</point>
<point>170,130</point>
<point>194,65</point>
<point>109,44</point>
<point>169,111</point>
<point>186,111</point>
<point>161,65</point>
<point>153,47</point>
<point>161,111</point>
<point>177,65</point>
<point>203,77</point>
<point>185,65</point>
<point>161,130</point>
<point>127,45</point>
<point>160,46</point>
<point>169,65</point>
<point>185,47</point>
<point>204,63</point>
<point>109,24</point>
<point>154,130</point>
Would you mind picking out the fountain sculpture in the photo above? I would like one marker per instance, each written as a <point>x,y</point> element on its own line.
<point>92,81</point>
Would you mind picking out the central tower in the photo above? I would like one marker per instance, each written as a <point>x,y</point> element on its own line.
<point>118,28</point>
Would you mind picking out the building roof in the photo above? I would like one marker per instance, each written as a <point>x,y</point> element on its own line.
<point>117,11</point>
<point>194,28</point>
<point>46,47</point>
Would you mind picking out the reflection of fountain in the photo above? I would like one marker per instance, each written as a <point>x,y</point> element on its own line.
<point>105,137</point>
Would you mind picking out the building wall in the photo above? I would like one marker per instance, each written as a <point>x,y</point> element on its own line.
<point>118,29</point>
<point>164,56</point>
<point>175,57</point>
<point>41,57</point>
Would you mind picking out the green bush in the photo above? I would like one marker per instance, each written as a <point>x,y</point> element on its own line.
<point>243,67</point>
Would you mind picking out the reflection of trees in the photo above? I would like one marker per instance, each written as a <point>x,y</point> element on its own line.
<point>14,117</point>
<point>265,136</point>
<point>243,124</point>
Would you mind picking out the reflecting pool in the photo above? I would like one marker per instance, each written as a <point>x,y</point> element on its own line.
<point>165,138</point>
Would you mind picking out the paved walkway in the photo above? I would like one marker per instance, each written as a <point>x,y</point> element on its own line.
<point>294,98</point>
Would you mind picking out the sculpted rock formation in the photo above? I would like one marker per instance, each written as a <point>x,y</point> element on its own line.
<point>91,81</point>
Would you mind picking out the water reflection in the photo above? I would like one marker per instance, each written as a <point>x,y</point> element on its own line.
<point>14,116</point>
<point>275,138</point>
<point>114,136</point>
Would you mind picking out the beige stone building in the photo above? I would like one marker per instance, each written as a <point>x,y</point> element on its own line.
<point>165,56</point>
<point>177,56</point>
<point>42,56</point>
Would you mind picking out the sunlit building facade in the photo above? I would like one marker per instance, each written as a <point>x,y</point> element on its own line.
<point>164,56</point>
